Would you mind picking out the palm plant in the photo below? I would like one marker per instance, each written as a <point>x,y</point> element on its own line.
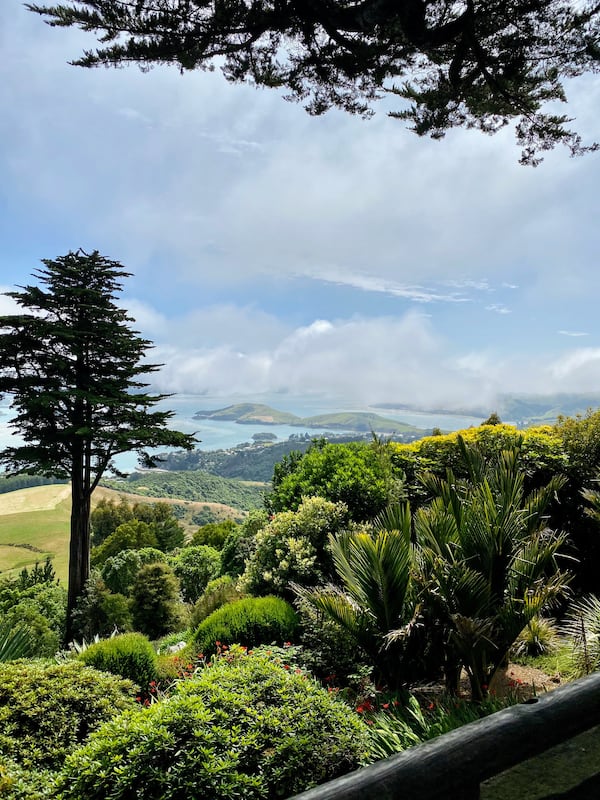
<point>582,626</point>
<point>376,593</point>
<point>487,559</point>
<point>15,642</point>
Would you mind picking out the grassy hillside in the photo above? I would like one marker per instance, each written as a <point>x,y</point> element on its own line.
<point>34,523</point>
<point>192,485</point>
<point>357,421</point>
<point>250,413</point>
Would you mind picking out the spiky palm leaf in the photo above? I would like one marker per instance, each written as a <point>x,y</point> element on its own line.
<point>488,560</point>
<point>582,626</point>
<point>15,642</point>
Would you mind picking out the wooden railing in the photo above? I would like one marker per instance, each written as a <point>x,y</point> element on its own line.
<point>454,765</point>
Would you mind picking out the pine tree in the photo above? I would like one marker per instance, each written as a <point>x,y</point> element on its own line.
<point>475,64</point>
<point>72,366</point>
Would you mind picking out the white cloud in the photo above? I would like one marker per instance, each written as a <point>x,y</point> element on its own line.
<point>7,304</point>
<point>373,283</point>
<point>573,333</point>
<point>498,308</point>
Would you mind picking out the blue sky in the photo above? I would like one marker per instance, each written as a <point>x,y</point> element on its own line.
<point>275,252</point>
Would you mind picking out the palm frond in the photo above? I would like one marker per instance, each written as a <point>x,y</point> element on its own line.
<point>15,642</point>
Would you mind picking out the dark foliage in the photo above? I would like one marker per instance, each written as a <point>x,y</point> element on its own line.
<point>476,64</point>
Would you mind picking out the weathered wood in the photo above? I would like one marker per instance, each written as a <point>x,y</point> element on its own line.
<point>453,766</point>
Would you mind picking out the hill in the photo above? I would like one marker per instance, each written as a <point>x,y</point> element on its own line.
<point>34,522</point>
<point>250,414</point>
<point>195,485</point>
<point>259,414</point>
<point>255,461</point>
<point>522,410</point>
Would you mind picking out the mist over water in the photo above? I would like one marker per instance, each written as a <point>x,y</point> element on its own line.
<point>220,434</point>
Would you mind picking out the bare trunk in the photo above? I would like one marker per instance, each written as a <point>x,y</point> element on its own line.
<point>79,547</point>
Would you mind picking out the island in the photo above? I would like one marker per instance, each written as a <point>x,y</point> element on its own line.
<point>260,414</point>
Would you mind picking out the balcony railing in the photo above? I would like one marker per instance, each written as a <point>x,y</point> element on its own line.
<point>454,765</point>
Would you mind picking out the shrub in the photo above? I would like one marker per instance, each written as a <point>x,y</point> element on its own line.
<point>19,783</point>
<point>404,725</point>
<point>539,637</point>
<point>293,548</point>
<point>241,728</point>
<point>98,611</point>
<point>240,543</point>
<point>128,536</point>
<point>151,555</point>
<point>42,608</point>
<point>119,572</point>
<point>47,710</point>
<point>249,622</point>
<point>214,533</point>
<point>330,653</point>
<point>217,593</point>
<point>355,474</point>
<point>155,600</point>
<point>195,567</point>
<point>582,626</point>
<point>129,655</point>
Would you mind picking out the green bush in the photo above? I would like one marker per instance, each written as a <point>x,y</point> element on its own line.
<point>195,567</point>
<point>155,602</point>
<point>217,593</point>
<point>240,543</point>
<point>355,474</point>
<point>98,611</point>
<point>214,533</point>
<point>41,607</point>
<point>130,655</point>
<point>249,622</point>
<point>241,728</point>
<point>539,637</point>
<point>129,536</point>
<point>119,572</point>
<point>329,651</point>
<point>47,710</point>
<point>293,547</point>
<point>19,783</point>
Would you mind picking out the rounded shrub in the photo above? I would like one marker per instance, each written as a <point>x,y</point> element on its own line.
<point>249,622</point>
<point>294,548</point>
<point>243,727</point>
<point>218,592</point>
<point>47,710</point>
<point>130,655</point>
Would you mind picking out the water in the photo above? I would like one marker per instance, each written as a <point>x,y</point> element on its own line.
<point>220,434</point>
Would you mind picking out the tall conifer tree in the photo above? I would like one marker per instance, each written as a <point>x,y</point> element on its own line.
<point>72,365</point>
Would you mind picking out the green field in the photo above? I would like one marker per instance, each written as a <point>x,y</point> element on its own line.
<point>34,524</point>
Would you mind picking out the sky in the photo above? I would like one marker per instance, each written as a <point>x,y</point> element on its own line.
<point>274,253</point>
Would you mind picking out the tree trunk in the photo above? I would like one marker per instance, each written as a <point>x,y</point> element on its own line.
<point>79,546</point>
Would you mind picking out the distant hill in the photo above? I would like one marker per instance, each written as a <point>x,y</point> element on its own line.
<point>250,414</point>
<point>522,410</point>
<point>196,485</point>
<point>259,414</point>
<point>527,410</point>
<point>34,522</point>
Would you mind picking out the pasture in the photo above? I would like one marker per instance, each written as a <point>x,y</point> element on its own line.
<point>34,524</point>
